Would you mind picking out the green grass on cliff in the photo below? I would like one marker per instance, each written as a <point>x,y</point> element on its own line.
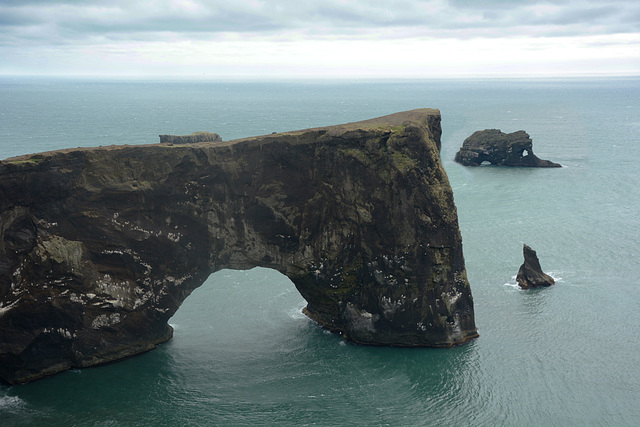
<point>32,160</point>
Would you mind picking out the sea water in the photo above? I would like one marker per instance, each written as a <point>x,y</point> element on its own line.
<point>243,353</point>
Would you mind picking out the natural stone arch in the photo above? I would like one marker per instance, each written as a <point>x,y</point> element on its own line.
<point>501,149</point>
<point>241,304</point>
<point>101,246</point>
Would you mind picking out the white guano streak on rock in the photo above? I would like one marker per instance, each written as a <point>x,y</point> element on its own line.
<point>4,310</point>
<point>105,320</point>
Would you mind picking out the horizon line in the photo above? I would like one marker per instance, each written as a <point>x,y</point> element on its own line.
<point>327,77</point>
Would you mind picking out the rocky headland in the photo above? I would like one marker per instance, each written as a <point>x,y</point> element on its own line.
<point>100,246</point>
<point>500,149</point>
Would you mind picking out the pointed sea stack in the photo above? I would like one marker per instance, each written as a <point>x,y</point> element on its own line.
<point>500,149</point>
<point>530,274</point>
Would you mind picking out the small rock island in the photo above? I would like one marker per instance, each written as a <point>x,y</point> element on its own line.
<point>190,139</point>
<point>100,246</point>
<point>500,149</point>
<point>530,274</point>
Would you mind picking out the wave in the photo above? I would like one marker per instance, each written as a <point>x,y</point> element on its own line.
<point>11,402</point>
<point>296,312</point>
<point>514,284</point>
<point>555,276</point>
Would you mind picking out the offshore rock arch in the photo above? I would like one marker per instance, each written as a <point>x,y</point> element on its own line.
<point>100,246</point>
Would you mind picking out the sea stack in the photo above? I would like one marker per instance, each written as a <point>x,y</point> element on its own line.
<point>500,149</point>
<point>100,246</point>
<point>530,274</point>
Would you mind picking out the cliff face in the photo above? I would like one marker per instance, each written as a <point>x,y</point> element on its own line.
<point>99,247</point>
<point>500,149</point>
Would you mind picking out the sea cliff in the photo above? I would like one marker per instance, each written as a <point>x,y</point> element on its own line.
<point>100,246</point>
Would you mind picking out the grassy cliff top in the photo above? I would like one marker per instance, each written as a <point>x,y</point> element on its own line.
<point>391,122</point>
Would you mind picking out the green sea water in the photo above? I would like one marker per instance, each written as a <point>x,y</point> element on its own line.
<point>244,354</point>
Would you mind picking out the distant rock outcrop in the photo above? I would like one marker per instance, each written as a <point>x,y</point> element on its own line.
<point>530,274</point>
<point>500,149</point>
<point>100,246</point>
<point>190,139</point>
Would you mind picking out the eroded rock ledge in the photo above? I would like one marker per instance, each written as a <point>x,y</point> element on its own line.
<point>100,246</point>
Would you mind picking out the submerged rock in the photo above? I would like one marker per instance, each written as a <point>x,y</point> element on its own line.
<point>500,149</point>
<point>530,274</point>
<point>100,246</point>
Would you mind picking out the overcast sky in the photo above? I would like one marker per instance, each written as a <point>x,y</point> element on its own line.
<point>330,38</point>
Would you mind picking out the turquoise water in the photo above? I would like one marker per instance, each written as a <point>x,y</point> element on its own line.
<point>243,354</point>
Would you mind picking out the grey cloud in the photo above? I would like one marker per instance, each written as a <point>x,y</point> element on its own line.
<point>69,20</point>
<point>572,16</point>
<point>223,21</point>
<point>371,18</point>
<point>17,18</point>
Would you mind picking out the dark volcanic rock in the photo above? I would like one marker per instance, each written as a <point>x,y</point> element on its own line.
<point>100,246</point>
<point>530,274</point>
<point>501,149</point>
<point>190,139</point>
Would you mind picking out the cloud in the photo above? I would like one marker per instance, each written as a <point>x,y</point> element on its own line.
<point>72,34</point>
<point>77,20</point>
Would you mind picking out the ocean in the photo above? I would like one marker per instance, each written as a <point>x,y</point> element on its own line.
<point>244,354</point>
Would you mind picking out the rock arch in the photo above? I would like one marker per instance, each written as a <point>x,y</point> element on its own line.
<point>242,305</point>
<point>500,149</point>
<point>100,246</point>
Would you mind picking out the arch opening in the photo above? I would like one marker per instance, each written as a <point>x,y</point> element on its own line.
<point>235,311</point>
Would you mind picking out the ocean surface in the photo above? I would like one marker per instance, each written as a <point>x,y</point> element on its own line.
<point>244,354</point>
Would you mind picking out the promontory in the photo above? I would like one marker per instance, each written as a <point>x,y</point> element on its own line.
<point>100,246</point>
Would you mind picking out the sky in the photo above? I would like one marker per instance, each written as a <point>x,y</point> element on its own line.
<point>320,38</point>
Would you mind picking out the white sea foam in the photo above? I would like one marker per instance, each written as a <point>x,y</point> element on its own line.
<point>296,313</point>
<point>514,284</point>
<point>11,402</point>
<point>555,276</point>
